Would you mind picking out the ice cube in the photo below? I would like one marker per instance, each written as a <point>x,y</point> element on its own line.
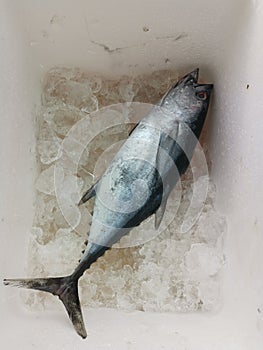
<point>61,118</point>
<point>45,181</point>
<point>91,104</point>
<point>48,145</point>
<point>203,261</point>
<point>71,92</point>
<point>197,198</point>
<point>85,220</point>
<point>44,209</point>
<point>49,151</point>
<point>95,84</point>
<point>127,90</point>
<point>61,255</point>
<point>210,227</point>
<point>37,232</point>
<point>68,194</point>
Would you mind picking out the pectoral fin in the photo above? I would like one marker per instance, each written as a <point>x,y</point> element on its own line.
<point>164,160</point>
<point>166,147</point>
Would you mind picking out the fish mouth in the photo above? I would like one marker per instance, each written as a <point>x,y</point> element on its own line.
<point>191,77</point>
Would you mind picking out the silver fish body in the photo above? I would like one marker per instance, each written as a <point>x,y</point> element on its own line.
<point>146,168</point>
<point>137,182</point>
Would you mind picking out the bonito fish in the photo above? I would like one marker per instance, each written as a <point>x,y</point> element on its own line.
<point>136,184</point>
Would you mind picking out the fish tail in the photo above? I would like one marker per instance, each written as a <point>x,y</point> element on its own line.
<point>66,288</point>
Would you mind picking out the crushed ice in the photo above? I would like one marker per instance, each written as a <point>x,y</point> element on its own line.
<point>175,271</point>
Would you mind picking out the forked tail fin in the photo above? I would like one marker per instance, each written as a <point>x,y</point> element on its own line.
<point>66,288</point>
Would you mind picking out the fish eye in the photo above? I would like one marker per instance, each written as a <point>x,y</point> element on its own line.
<point>201,95</point>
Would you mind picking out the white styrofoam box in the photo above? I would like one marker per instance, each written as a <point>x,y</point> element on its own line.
<point>223,38</point>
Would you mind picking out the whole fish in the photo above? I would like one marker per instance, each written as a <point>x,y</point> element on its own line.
<point>136,184</point>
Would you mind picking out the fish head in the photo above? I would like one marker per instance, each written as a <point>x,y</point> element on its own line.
<point>188,99</point>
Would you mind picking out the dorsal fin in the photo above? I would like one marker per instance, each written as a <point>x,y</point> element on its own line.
<point>89,194</point>
<point>133,128</point>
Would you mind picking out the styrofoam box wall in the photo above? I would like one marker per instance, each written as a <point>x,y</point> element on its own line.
<point>222,37</point>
